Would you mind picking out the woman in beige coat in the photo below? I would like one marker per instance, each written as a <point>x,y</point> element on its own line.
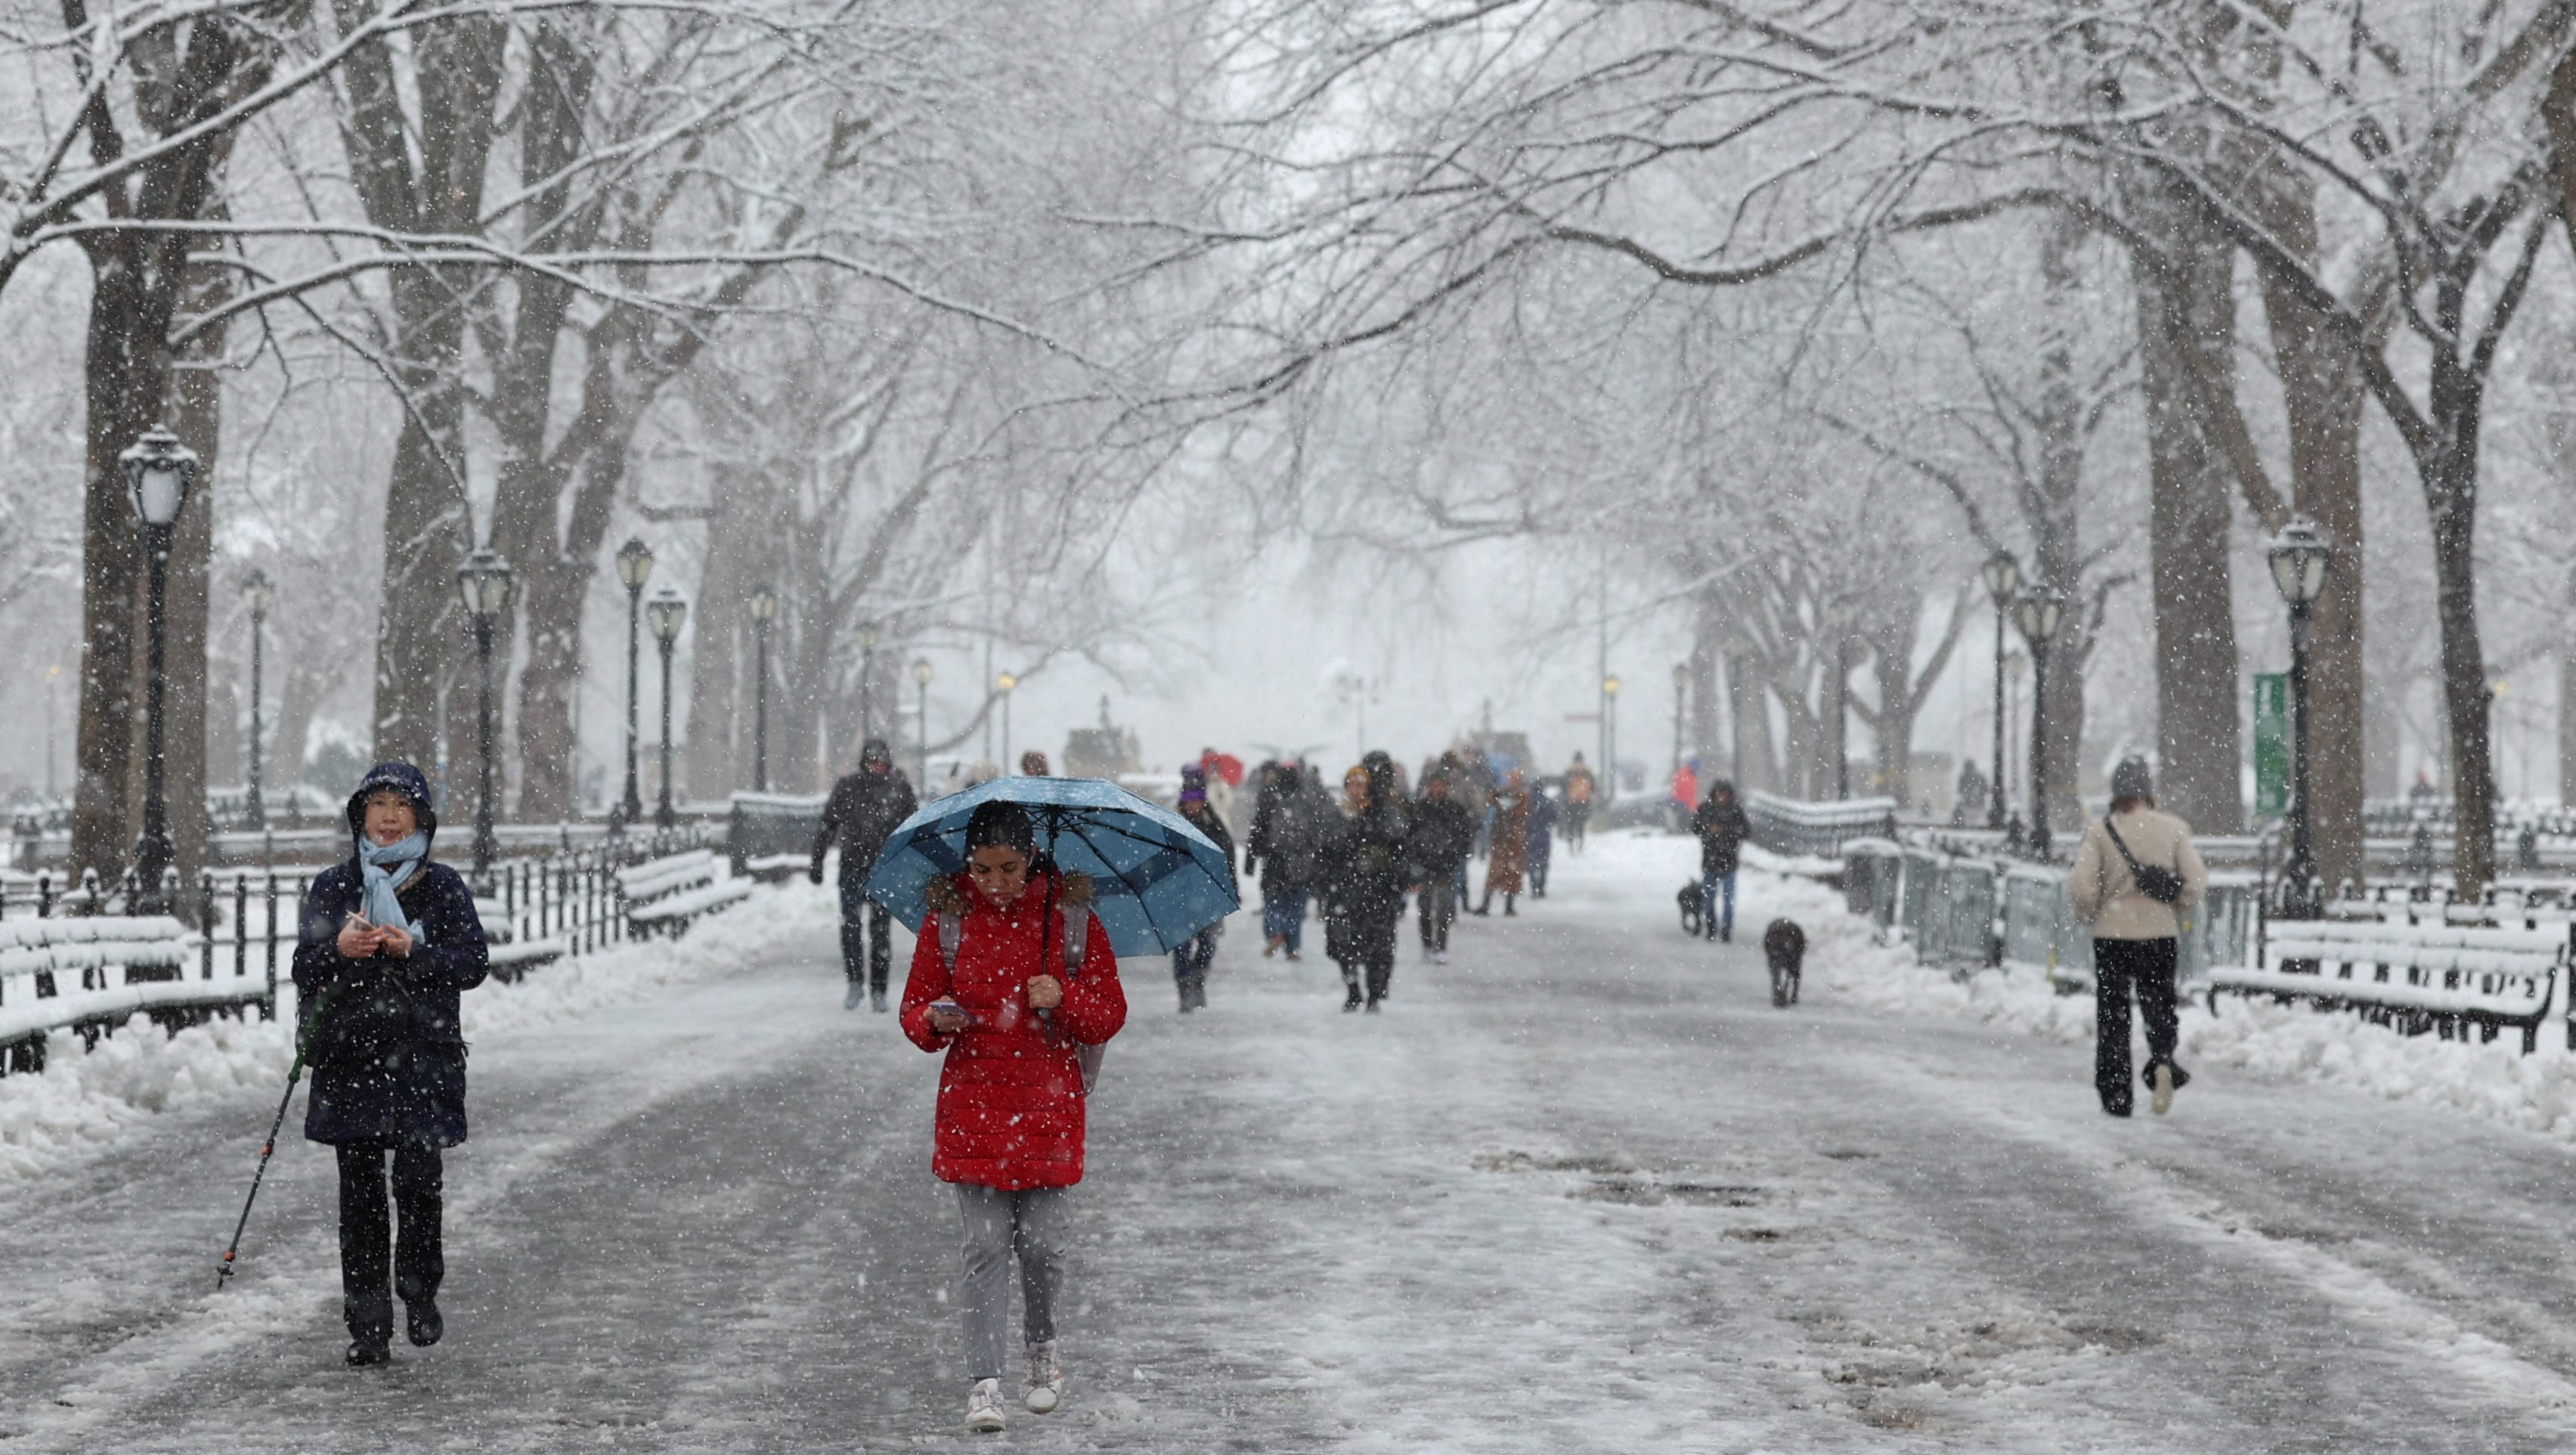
<point>2135,931</point>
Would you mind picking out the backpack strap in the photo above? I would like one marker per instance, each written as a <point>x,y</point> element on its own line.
<point>1077,941</point>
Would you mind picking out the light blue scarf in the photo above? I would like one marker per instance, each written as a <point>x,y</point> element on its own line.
<point>389,867</point>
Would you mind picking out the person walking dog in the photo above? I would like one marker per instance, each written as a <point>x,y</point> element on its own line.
<point>1012,977</point>
<point>2134,874</point>
<point>386,943</point>
<point>1722,830</point>
<point>865,809</point>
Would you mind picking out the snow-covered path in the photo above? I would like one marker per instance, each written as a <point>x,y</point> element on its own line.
<point>1581,1189</point>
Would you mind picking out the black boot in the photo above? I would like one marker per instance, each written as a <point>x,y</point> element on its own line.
<point>367,1353</point>
<point>1351,1002</point>
<point>1485,906</point>
<point>1508,911</point>
<point>421,1323</point>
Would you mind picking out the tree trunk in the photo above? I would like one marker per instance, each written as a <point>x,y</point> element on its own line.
<point>2464,682</point>
<point>2323,400</point>
<point>129,316</point>
<point>2058,544</point>
<point>196,416</point>
<point>2186,322</point>
<point>721,687</point>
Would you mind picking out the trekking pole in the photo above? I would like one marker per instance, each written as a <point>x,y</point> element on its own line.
<point>268,1148</point>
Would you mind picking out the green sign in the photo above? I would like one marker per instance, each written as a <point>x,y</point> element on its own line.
<point>2271,744</point>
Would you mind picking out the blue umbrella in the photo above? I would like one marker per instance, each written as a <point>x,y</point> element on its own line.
<point>1158,881</point>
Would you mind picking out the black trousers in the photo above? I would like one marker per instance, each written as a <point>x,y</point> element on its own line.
<point>2120,967</point>
<point>864,929</point>
<point>1438,904</point>
<point>1370,956</point>
<point>418,1258</point>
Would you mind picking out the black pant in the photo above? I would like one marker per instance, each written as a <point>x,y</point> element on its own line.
<point>864,929</point>
<point>2118,965</point>
<point>1438,903</point>
<point>419,1259</point>
<point>1371,953</point>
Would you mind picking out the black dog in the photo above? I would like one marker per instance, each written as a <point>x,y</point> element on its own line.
<point>1690,901</point>
<point>1785,946</point>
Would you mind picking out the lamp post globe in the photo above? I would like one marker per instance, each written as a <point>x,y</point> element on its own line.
<point>764,610</point>
<point>2299,556</point>
<point>485,584</point>
<point>921,678</point>
<point>2002,575</point>
<point>260,594</point>
<point>667,612</point>
<point>634,568</point>
<point>159,472</point>
<point>2037,611</point>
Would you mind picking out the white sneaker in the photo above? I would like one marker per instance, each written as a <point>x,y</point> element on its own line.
<point>2162,1101</point>
<point>984,1408</point>
<point>1442,958</point>
<point>1046,1380</point>
<point>850,999</point>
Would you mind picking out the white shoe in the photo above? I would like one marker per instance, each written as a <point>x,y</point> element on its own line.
<point>984,1408</point>
<point>2162,1101</point>
<point>850,1000</point>
<point>1442,958</point>
<point>1046,1380</point>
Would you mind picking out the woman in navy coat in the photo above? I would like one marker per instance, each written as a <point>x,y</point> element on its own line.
<point>388,939</point>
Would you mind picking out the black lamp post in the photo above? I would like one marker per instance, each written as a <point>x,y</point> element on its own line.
<point>1008,682</point>
<point>1681,699</point>
<point>667,612</point>
<point>257,590</point>
<point>158,472</point>
<point>1610,738</point>
<point>2003,581</point>
<point>921,676</point>
<point>2299,555</point>
<point>484,584</point>
<point>764,610</point>
<point>634,568</point>
<point>2037,613</point>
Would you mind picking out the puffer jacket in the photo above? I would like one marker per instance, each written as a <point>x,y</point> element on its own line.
<point>2106,895</point>
<point>1011,1112</point>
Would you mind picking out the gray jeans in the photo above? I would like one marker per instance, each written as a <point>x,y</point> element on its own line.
<point>998,1224</point>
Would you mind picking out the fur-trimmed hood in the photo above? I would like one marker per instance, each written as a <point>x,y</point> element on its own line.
<point>954,894</point>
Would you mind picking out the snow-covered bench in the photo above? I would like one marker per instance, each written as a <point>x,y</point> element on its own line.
<point>91,973</point>
<point>663,895</point>
<point>2417,978</point>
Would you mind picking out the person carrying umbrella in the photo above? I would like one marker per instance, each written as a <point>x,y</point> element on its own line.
<point>864,808</point>
<point>386,942</point>
<point>999,990</point>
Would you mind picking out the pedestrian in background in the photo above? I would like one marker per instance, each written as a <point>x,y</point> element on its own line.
<point>1287,842</point>
<point>1366,893</point>
<point>1578,803</point>
<point>1190,962</point>
<point>865,809</point>
<point>1542,839</point>
<point>1504,866</point>
<point>1439,839</point>
<point>2134,873</point>
<point>996,989</point>
<point>1033,764</point>
<point>1722,830</point>
<point>386,943</point>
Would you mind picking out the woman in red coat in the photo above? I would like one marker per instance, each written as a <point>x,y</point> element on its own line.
<point>996,985</point>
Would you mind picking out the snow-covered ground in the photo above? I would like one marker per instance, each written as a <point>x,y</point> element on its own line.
<point>1580,1189</point>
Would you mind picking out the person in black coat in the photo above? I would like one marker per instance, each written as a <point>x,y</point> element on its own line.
<point>866,808</point>
<point>1365,882</point>
<point>1287,841</point>
<point>1722,830</point>
<point>1190,962</point>
<point>1441,836</point>
<point>387,941</point>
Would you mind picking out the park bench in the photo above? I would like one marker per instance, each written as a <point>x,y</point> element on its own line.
<point>663,895</point>
<point>90,973</point>
<point>2414,977</point>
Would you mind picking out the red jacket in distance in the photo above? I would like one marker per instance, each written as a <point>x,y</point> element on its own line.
<point>1010,1095</point>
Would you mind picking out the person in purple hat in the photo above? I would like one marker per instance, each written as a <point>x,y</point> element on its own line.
<point>1190,961</point>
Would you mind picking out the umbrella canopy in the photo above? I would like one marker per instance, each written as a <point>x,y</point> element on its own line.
<point>1157,881</point>
<point>1226,766</point>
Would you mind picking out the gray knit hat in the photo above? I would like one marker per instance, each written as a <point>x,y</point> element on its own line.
<point>2132,780</point>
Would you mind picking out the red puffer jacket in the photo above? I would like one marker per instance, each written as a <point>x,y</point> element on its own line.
<point>1010,1096</point>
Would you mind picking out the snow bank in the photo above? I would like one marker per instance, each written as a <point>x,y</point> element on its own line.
<point>82,1104</point>
<point>1846,961</point>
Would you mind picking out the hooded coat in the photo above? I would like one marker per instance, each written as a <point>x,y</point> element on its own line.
<point>1011,1105</point>
<point>382,1035</point>
<point>863,812</point>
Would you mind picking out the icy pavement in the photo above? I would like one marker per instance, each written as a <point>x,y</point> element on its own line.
<point>1581,1189</point>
